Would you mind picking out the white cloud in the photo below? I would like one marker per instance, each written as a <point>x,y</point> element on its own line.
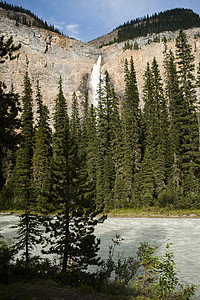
<point>73,30</point>
<point>58,26</point>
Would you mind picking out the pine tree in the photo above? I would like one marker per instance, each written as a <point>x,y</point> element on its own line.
<point>23,169</point>
<point>189,131</point>
<point>162,149</point>
<point>28,227</point>
<point>60,177</point>
<point>73,229</point>
<point>119,189</point>
<point>131,131</point>
<point>83,211</point>
<point>156,127</point>
<point>42,153</point>
<point>174,99</point>
<point>107,117</point>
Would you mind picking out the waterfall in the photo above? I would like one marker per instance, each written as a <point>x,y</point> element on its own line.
<point>95,80</point>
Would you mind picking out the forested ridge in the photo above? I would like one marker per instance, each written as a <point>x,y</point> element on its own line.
<point>26,17</point>
<point>169,20</point>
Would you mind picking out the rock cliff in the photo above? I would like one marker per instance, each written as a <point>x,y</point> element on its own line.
<point>47,55</point>
<point>113,56</point>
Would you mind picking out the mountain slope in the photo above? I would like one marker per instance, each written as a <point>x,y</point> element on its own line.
<point>169,20</point>
<point>47,55</point>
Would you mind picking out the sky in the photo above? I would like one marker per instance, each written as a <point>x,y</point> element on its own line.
<point>88,19</point>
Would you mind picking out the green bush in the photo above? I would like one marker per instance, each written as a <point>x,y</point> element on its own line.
<point>143,277</point>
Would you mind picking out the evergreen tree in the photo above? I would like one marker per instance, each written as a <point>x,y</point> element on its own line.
<point>60,178</point>
<point>28,227</point>
<point>174,99</point>
<point>83,210</point>
<point>156,127</point>
<point>72,237</point>
<point>162,147</point>
<point>131,131</point>
<point>42,153</point>
<point>23,169</point>
<point>89,140</point>
<point>75,130</point>
<point>189,131</point>
<point>107,117</point>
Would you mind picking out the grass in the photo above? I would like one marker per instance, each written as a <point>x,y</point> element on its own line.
<point>148,212</point>
<point>154,212</point>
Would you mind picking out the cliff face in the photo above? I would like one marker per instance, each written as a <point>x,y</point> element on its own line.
<point>46,56</point>
<point>113,56</point>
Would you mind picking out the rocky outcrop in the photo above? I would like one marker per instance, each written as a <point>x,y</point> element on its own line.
<point>105,39</point>
<point>47,56</point>
<point>113,56</point>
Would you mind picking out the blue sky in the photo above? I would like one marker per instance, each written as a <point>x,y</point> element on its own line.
<point>89,19</point>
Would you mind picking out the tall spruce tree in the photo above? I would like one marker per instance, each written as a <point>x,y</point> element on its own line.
<point>42,153</point>
<point>131,132</point>
<point>61,179</point>
<point>156,129</point>
<point>29,233</point>
<point>23,169</point>
<point>84,245</point>
<point>189,131</point>
<point>106,125</point>
<point>174,99</point>
<point>73,236</point>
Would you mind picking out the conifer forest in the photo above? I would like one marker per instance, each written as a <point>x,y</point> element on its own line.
<point>115,155</point>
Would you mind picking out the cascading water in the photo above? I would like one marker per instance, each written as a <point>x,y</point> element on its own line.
<point>95,80</point>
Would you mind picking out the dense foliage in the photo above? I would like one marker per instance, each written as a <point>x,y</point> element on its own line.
<point>26,17</point>
<point>169,20</point>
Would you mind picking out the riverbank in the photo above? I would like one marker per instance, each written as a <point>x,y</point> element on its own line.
<point>145,212</point>
<point>153,212</point>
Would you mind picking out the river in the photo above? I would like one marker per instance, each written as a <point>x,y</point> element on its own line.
<point>182,233</point>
